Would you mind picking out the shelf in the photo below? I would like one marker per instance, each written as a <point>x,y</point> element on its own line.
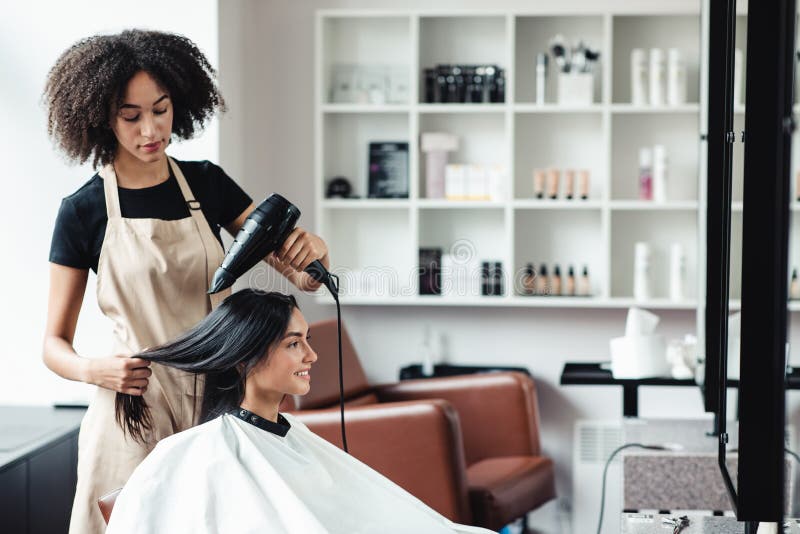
<point>648,205</point>
<point>643,110</point>
<point>365,203</point>
<point>432,203</point>
<point>365,108</point>
<point>512,301</point>
<point>557,108</point>
<point>546,204</point>
<point>461,108</point>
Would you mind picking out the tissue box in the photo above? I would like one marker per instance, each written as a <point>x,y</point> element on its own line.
<point>639,357</point>
<point>575,89</point>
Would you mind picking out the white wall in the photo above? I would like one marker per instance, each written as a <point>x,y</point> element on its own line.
<point>271,47</point>
<point>32,36</point>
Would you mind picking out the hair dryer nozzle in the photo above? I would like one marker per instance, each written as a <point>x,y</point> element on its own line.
<point>222,280</point>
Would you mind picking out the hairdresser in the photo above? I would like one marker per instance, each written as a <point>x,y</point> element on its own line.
<point>149,226</point>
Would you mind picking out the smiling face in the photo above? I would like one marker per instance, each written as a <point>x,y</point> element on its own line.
<point>143,121</point>
<point>287,368</point>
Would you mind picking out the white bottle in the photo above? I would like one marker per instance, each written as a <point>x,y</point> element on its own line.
<point>638,77</point>
<point>676,78</point>
<point>656,77</point>
<point>541,78</point>
<point>737,77</point>
<point>427,352</point>
<point>641,272</point>
<point>659,173</point>
<point>677,273</point>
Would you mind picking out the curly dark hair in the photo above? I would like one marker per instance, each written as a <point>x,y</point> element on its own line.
<point>88,81</point>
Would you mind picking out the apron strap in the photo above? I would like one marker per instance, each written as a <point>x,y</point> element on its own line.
<point>210,242</point>
<point>109,177</point>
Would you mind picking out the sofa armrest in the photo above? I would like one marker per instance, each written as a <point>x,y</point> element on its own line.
<point>417,445</point>
<point>498,411</point>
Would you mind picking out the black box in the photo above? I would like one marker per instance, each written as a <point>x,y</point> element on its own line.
<point>388,170</point>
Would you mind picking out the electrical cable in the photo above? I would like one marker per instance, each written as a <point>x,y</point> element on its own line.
<point>334,282</point>
<point>605,472</point>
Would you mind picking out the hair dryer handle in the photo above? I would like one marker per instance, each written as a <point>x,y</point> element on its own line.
<point>318,272</point>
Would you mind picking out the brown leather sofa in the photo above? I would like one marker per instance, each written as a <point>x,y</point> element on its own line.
<point>506,474</point>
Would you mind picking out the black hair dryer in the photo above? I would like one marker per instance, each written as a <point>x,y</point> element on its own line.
<point>264,232</point>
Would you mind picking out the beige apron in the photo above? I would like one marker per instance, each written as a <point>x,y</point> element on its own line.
<point>152,278</point>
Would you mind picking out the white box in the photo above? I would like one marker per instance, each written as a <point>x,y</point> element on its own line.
<point>476,182</point>
<point>575,89</point>
<point>455,187</point>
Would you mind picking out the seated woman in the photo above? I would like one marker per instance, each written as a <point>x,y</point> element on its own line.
<point>249,469</point>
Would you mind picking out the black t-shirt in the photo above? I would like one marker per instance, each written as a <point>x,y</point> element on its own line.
<point>81,222</point>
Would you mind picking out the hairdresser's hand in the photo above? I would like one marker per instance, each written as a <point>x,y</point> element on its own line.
<point>298,251</point>
<point>120,373</point>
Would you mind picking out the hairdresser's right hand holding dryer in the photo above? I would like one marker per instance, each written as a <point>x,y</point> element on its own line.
<point>120,373</point>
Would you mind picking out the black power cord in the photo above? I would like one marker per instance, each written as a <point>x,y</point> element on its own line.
<point>332,283</point>
<point>605,472</point>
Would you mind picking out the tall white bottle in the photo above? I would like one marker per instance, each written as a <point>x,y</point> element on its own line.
<point>656,77</point>
<point>677,273</point>
<point>642,286</point>
<point>676,78</point>
<point>659,173</point>
<point>638,77</point>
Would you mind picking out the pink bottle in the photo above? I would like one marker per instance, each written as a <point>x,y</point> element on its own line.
<point>645,174</point>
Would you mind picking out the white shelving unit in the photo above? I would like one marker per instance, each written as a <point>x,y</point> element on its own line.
<point>376,241</point>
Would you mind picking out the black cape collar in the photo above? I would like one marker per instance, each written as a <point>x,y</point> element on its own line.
<point>280,428</point>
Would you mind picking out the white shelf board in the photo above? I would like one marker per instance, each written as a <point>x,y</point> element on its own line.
<point>462,108</point>
<point>546,204</point>
<point>630,108</point>
<point>513,301</point>
<point>365,203</point>
<point>654,304</point>
<point>647,205</point>
<point>435,203</point>
<point>365,108</point>
<point>557,108</point>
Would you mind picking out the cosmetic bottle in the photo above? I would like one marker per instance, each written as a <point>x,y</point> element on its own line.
<point>677,273</point>
<point>656,72</point>
<point>541,78</point>
<point>555,282</point>
<point>542,281</point>
<point>553,177</point>
<point>583,184</point>
<point>529,281</point>
<point>638,77</point>
<point>641,272</point>
<point>584,284</point>
<point>645,174</point>
<point>737,77</point>
<point>570,285</point>
<point>538,183</point>
<point>486,283</point>
<point>427,352</point>
<point>676,78</point>
<point>497,279</point>
<point>659,173</point>
<point>794,287</point>
<point>569,183</point>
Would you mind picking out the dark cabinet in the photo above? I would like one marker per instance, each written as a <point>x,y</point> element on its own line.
<point>14,499</point>
<point>51,488</point>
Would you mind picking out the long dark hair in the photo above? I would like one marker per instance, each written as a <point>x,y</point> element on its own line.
<point>225,346</point>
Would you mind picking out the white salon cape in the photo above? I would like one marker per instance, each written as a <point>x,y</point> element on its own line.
<point>230,476</point>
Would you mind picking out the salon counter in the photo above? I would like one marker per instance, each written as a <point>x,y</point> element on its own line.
<point>38,463</point>
<point>654,524</point>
